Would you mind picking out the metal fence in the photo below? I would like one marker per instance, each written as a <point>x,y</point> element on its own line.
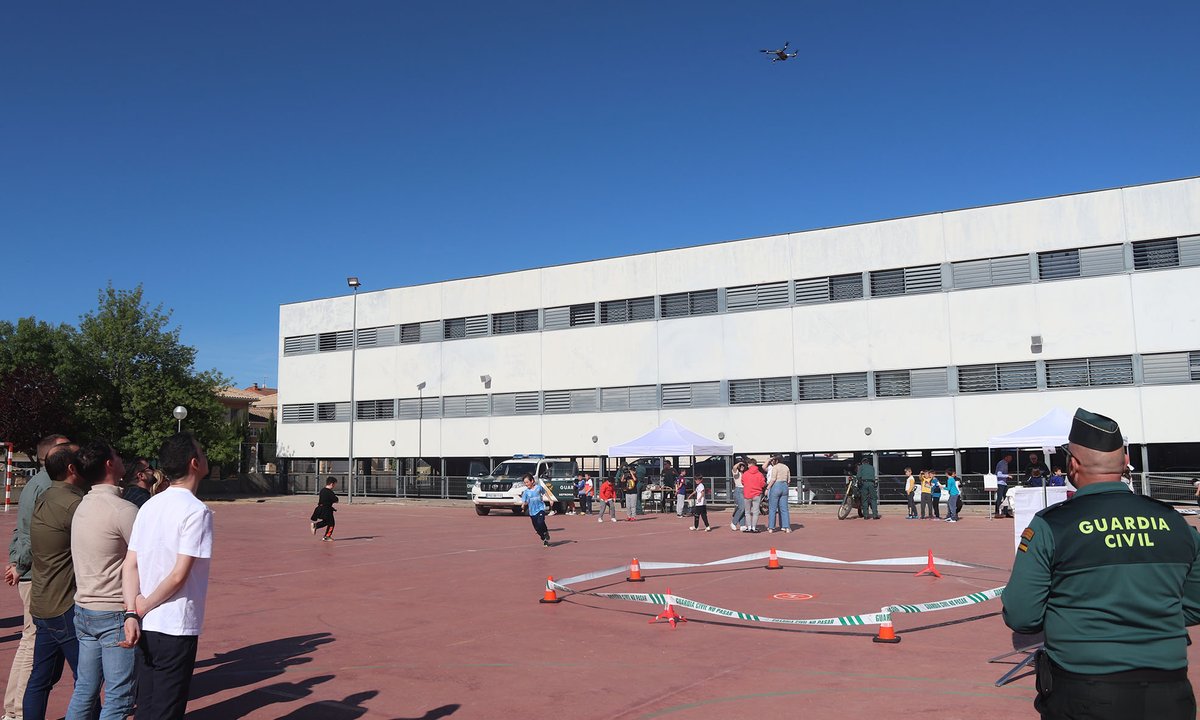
<point>807,490</point>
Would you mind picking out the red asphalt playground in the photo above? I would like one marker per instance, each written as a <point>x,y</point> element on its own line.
<point>422,610</point>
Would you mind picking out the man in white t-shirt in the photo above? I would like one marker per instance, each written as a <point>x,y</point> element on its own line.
<point>165,580</point>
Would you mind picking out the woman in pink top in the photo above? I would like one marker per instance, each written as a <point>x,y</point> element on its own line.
<point>753,485</point>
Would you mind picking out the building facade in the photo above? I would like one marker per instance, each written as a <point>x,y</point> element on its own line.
<point>932,332</point>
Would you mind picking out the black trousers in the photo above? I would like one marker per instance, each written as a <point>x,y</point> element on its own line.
<point>164,674</point>
<point>1001,491</point>
<point>698,512</point>
<point>1073,698</point>
<point>539,525</point>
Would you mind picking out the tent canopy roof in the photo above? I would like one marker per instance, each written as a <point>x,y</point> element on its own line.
<point>1050,430</point>
<point>670,439</point>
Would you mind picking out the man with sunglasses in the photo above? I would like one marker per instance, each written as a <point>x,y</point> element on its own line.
<point>1113,580</point>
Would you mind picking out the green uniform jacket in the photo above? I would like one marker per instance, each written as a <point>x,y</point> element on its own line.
<point>1111,577</point>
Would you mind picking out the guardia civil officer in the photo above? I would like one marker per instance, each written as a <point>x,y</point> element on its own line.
<point>1113,579</point>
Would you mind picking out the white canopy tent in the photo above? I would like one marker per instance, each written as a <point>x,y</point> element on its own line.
<point>1048,431</point>
<point>668,440</point>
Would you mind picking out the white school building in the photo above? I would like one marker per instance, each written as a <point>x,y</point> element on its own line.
<point>924,334</point>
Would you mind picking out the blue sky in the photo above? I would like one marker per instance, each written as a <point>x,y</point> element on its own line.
<point>235,156</point>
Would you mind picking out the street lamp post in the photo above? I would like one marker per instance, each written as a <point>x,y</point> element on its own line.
<point>180,412</point>
<point>354,284</point>
<point>420,423</point>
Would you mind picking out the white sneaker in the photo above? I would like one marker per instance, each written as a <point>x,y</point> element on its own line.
<point>613,519</point>
<point>787,530</point>
<point>708,529</point>
<point>599,520</point>
<point>733,526</point>
<point>691,528</point>
<point>770,530</point>
<point>551,513</point>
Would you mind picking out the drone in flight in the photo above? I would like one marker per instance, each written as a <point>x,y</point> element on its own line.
<point>781,54</point>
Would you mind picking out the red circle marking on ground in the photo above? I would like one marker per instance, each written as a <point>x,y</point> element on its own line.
<point>792,596</point>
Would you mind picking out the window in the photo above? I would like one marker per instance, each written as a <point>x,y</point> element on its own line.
<point>700,302</point>
<point>1081,262</point>
<point>636,397</point>
<point>845,287</point>
<point>565,401</point>
<point>920,279</point>
<point>753,297</point>
<point>515,322</point>
<point>815,387</point>
<point>929,382</point>
<point>843,386</point>
<point>1058,264</point>
<point>583,314</point>
<point>923,279</point>
<point>457,328</point>
<point>847,386</point>
<point>682,395</point>
<point>418,408</point>
<point>331,341</point>
<point>377,336</point>
<point>760,390</point>
<point>619,311</point>
<point>1167,368</point>
<point>410,333</point>
<point>522,403</point>
<point>1151,254</point>
<point>1011,270</point>
<point>887,282</point>
<point>1085,372</point>
<point>300,345</point>
<point>298,413</point>
<point>376,409</point>
<point>997,377</point>
<point>892,383</point>
<point>465,406</point>
<point>333,412</point>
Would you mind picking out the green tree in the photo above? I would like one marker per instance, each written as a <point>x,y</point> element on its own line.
<point>138,370</point>
<point>118,375</point>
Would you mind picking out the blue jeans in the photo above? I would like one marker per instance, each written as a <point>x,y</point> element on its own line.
<point>54,643</point>
<point>777,502</point>
<point>102,662</point>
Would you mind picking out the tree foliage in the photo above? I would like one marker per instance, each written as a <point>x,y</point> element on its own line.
<point>119,375</point>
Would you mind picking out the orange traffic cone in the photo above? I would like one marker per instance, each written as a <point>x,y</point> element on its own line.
<point>635,572</point>
<point>773,561</point>
<point>550,596</point>
<point>669,613</point>
<point>887,634</point>
<point>929,568</point>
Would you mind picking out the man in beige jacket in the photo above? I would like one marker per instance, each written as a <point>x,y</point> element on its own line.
<point>99,540</point>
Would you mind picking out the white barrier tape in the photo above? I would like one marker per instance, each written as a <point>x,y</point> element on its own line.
<point>884,615</point>
<point>783,554</point>
<point>972,599</point>
<point>846,620</point>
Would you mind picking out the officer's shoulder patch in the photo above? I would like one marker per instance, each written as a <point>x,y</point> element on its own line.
<point>1023,547</point>
<point>1027,535</point>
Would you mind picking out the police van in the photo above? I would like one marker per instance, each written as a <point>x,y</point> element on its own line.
<point>502,489</point>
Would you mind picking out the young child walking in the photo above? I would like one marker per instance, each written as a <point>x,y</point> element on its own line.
<point>533,501</point>
<point>700,509</point>
<point>322,516</point>
<point>608,500</point>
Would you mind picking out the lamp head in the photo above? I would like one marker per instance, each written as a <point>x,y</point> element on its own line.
<point>353,282</point>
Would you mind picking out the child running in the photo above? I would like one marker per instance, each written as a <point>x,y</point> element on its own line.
<point>322,516</point>
<point>532,502</point>
<point>700,509</point>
